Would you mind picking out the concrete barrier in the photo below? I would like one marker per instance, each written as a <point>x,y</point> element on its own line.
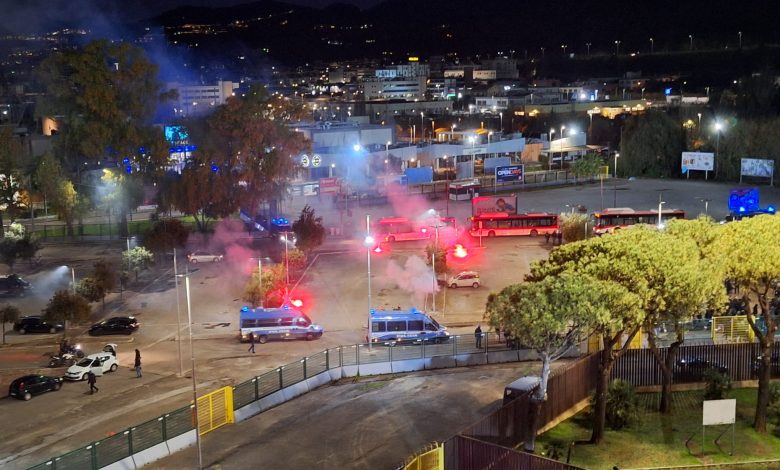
<point>503,356</point>
<point>349,371</point>
<point>124,464</point>
<point>247,411</point>
<point>471,359</point>
<point>408,365</point>
<point>294,390</point>
<point>318,380</point>
<point>335,373</point>
<point>377,368</point>
<point>442,362</point>
<point>153,453</point>
<point>182,441</point>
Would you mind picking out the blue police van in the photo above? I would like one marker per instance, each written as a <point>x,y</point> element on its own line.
<point>284,322</point>
<point>393,326</point>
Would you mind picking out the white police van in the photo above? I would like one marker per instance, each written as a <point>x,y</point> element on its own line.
<point>277,323</point>
<point>392,326</point>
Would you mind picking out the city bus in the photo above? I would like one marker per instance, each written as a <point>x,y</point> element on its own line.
<point>501,224</point>
<point>393,326</point>
<point>609,220</point>
<point>276,323</point>
<point>396,229</point>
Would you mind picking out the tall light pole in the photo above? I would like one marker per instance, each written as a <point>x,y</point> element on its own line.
<point>660,207</point>
<point>560,145</point>
<point>563,46</point>
<point>452,132</point>
<point>178,314</point>
<point>72,280</point>
<point>651,45</point>
<point>617,155</point>
<point>473,140</point>
<point>718,127</point>
<point>690,36</point>
<point>369,243</point>
<point>587,44</point>
<point>192,362</point>
<point>260,279</point>
<point>549,160</point>
<point>699,128</point>
<point>740,39</point>
<point>422,127</point>
<point>617,48</point>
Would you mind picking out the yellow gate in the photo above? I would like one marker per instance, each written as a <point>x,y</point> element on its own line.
<point>215,409</point>
<point>432,459</point>
<point>735,329</point>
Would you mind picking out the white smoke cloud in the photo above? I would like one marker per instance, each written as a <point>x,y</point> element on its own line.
<point>414,277</point>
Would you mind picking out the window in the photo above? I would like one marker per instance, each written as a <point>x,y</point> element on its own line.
<point>378,326</point>
<point>267,323</point>
<point>430,327</point>
<point>286,322</point>
<point>396,326</point>
<point>304,321</point>
<point>248,323</point>
<point>415,325</point>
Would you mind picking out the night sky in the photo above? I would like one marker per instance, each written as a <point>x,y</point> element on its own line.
<point>28,16</point>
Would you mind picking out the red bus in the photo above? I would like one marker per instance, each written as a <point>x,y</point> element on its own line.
<point>500,224</point>
<point>610,220</point>
<point>392,229</point>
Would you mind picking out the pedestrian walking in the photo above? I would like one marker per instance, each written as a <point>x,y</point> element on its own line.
<point>251,343</point>
<point>560,237</point>
<point>138,373</point>
<point>92,380</point>
<point>478,336</point>
<point>547,238</point>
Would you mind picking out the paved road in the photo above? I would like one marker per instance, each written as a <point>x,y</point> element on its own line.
<point>373,423</point>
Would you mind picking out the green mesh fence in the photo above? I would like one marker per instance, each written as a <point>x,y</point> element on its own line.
<point>112,449</point>
<point>147,434</point>
<point>292,373</point>
<point>178,422</point>
<point>244,393</point>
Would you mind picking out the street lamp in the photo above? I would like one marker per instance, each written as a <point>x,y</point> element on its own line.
<point>549,160</point>
<point>192,361</point>
<point>260,278</point>
<point>660,206</point>
<point>718,128</point>
<point>435,226</point>
<point>617,155</point>
<point>651,45</point>
<point>452,132</point>
<point>369,243</point>
<point>699,115</point>
<point>587,44</point>
<point>617,48</point>
<point>473,141</point>
<point>740,39</point>
<point>563,46</point>
<point>422,127</point>
<point>284,238</point>
<point>690,36</point>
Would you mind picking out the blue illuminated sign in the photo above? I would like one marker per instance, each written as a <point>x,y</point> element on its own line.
<point>509,174</point>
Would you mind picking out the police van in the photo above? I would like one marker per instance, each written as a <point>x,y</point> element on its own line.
<point>277,323</point>
<point>392,326</point>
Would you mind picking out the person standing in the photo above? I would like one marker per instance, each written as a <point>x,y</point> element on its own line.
<point>138,373</point>
<point>251,343</point>
<point>92,381</point>
<point>478,336</point>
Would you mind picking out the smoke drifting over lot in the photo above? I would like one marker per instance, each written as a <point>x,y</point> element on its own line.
<point>414,277</point>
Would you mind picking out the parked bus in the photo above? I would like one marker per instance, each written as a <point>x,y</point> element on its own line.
<point>392,229</point>
<point>277,323</point>
<point>609,220</point>
<point>390,326</point>
<point>500,224</point>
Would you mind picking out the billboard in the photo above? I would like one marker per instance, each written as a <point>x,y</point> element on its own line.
<point>703,161</point>
<point>483,204</point>
<point>757,167</point>
<point>509,174</point>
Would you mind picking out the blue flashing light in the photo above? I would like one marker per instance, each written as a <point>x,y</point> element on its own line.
<point>179,149</point>
<point>372,311</point>
<point>126,161</point>
<point>741,209</point>
<point>771,209</point>
<point>141,149</point>
<point>286,307</point>
<point>129,169</point>
<point>244,308</point>
<point>214,167</point>
<point>667,91</point>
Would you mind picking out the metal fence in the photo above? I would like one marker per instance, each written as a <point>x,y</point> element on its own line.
<point>124,444</point>
<point>100,231</point>
<point>467,453</point>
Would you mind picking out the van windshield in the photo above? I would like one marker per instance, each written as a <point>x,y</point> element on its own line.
<point>435,323</point>
<point>303,320</point>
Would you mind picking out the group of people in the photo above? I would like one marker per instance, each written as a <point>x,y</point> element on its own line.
<point>511,342</point>
<point>92,378</point>
<point>557,238</point>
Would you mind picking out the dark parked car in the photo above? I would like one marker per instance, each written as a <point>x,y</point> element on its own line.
<point>115,326</point>
<point>692,369</point>
<point>774,365</point>
<point>35,324</point>
<point>25,387</point>
<point>13,286</point>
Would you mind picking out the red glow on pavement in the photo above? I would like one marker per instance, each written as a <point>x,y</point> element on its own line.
<point>459,251</point>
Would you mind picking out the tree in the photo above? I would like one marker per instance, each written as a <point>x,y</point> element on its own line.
<point>296,259</point>
<point>102,281</point>
<point>136,259</point>
<point>165,236</point>
<point>651,145</point>
<point>753,264</point>
<point>273,284</point>
<point>619,261</point>
<point>67,307</point>
<point>547,316</point>
<point>574,226</point>
<point>245,156</point>
<point>8,314</point>
<point>17,244</point>
<point>588,166</point>
<point>10,177</point>
<point>309,232</point>
<point>681,284</point>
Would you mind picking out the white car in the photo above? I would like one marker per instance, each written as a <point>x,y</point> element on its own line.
<point>464,279</point>
<point>204,257</point>
<point>98,363</point>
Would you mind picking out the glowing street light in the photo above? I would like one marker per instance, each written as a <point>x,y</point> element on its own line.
<point>186,277</point>
<point>718,127</point>
<point>369,242</point>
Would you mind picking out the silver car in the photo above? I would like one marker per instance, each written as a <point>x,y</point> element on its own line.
<point>204,257</point>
